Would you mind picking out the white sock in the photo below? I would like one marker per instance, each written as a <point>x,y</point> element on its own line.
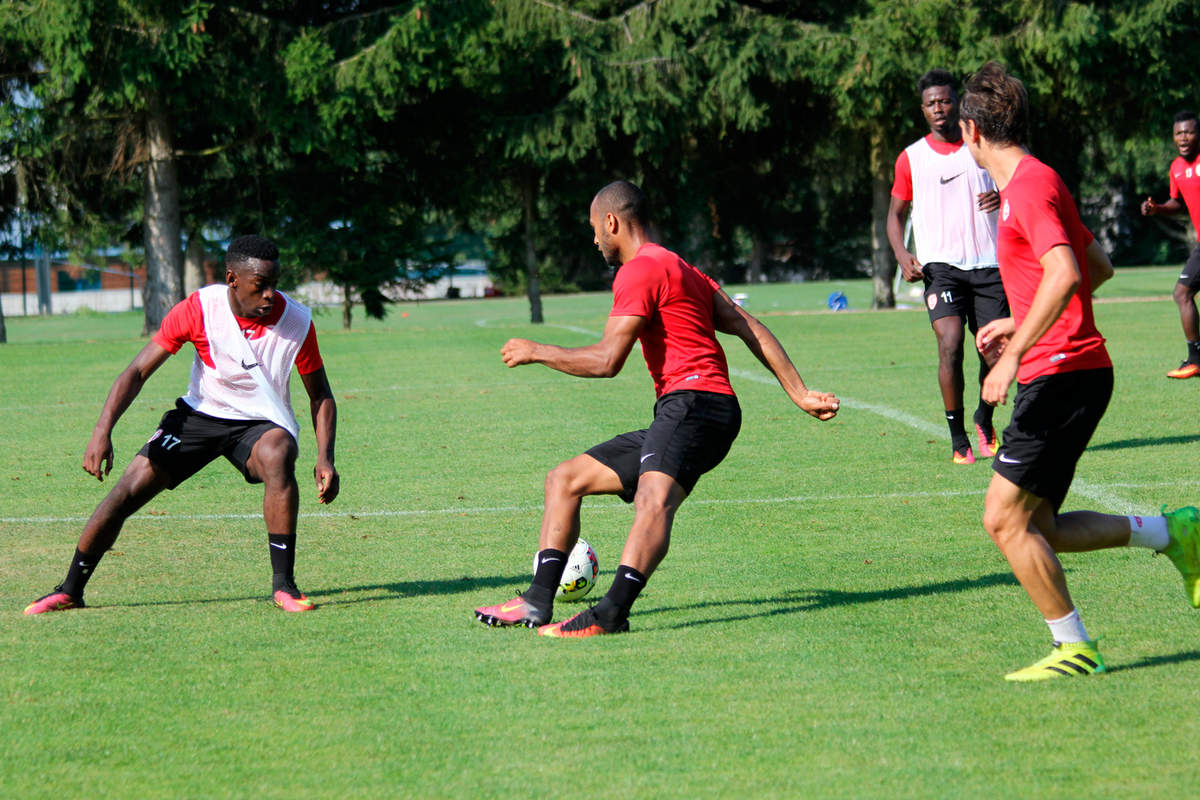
<point>1148,532</point>
<point>1068,629</point>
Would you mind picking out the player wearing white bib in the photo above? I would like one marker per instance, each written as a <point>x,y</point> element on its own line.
<point>953,204</point>
<point>248,336</point>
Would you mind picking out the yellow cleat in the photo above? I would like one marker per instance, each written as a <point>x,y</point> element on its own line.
<point>1183,526</point>
<point>1069,659</point>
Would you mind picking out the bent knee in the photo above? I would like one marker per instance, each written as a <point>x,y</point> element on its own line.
<point>1183,294</point>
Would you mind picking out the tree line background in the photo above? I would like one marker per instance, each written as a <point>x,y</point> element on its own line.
<point>374,139</point>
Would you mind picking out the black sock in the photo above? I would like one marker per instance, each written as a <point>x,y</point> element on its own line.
<point>1194,352</point>
<point>626,586</point>
<point>79,572</point>
<point>983,417</point>
<point>546,576</point>
<point>958,434</point>
<point>283,560</point>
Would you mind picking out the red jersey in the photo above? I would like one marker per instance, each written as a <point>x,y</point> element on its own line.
<point>678,339</point>
<point>1037,213</point>
<point>185,323</point>
<point>1185,183</point>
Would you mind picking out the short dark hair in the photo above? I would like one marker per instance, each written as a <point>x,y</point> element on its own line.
<point>625,200</point>
<point>1184,116</point>
<point>245,248</point>
<point>936,77</point>
<point>998,105</point>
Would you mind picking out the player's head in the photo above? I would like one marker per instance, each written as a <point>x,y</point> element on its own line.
<point>939,102</point>
<point>1186,135</point>
<point>252,272</point>
<point>997,104</point>
<point>617,209</point>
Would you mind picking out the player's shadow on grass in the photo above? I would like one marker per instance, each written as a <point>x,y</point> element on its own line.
<point>819,599</point>
<point>437,586</point>
<point>1146,441</point>
<point>1156,661</point>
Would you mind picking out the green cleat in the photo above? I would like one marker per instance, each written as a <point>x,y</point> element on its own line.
<point>1183,526</point>
<point>1068,660</point>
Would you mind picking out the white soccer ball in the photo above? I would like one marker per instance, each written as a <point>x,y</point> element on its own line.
<point>580,575</point>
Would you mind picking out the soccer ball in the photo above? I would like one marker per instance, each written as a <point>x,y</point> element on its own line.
<point>580,575</point>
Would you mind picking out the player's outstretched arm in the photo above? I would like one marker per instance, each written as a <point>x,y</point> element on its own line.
<point>603,359</point>
<point>730,318</point>
<point>324,418</point>
<point>98,458</point>
<point>1171,206</point>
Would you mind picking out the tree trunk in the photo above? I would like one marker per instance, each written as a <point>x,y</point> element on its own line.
<point>758,256</point>
<point>529,196</point>
<point>3,327</point>
<point>194,274</point>
<point>347,306</point>
<point>164,256</point>
<point>883,261</point>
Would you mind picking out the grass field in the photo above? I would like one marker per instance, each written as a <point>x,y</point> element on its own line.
<point>831,621</point>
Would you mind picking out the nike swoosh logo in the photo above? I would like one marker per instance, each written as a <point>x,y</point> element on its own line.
<point>511,605</point>
<point>947,180</point>
<point>246,366</point>
<point>648,455</point>
<point>280,546</point>
<point>550,559</point>
<point>1008,460</point>
<point>631,578</point>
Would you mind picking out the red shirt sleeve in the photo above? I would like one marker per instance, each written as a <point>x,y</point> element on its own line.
<point>633,293</point>
<point>902,183</point>
<point>1174,193</point>
<point>308,360</point>
<point>183,323</point>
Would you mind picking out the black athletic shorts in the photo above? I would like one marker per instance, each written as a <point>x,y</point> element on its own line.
<point>1190,276</point>
<point>691,433</point>
<point>1053,419</point>
<point>186,441</point>
<point>976,296</point>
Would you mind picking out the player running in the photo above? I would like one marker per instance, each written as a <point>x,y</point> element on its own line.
<point>247,336</point>
<point>1050,264</point>
<point>1185,184</point>
<point>675,311</point>
<point>954,205</point>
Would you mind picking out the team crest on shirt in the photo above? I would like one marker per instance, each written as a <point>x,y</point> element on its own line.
<point>931,300</point>
<point>1004,211</point>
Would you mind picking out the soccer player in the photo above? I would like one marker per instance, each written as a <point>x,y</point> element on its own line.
<point>1050,264</point>
<point>1185,184</point>
<point>674,310</point>
<point>953,204</point>
<point>247,336</point>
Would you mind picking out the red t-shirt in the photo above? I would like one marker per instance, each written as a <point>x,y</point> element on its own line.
<point>1185,183</point>
<point>1037,213</point>
<point>185,323</point>
<point>678,339</point>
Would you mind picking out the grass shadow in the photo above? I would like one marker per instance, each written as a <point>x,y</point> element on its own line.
<point>1146,441</point>
<point>1157,661</point>
<point>819,599</point>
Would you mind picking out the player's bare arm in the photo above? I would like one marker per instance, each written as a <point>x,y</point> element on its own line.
<point>324,418</point>
<point>910,267</point>
<point>1151,208</point>
<point>98,458</point>
<point>603,359</point>
<point>989,201</point>
<point>1060,280</point>
<point>728,317</point>
<point>992,338</point>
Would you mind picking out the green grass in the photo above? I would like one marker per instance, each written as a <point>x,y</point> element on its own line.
<point>831,621</point>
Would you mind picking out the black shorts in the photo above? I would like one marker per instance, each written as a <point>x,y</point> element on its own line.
<point>186,441</point>
<point>691,433</point>
<point>1053,419</point>
<point>976,296</point>
<point>1190,276</point>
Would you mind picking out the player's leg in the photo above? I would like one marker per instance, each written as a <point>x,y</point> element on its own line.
<point>945,297</point>
<point>141,481</point>
<point>988,303</point>
<point>272,462</point>
<point>566,486</point>
<point>1184,295</point>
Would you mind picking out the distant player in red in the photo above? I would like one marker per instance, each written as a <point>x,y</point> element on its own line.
<point>675,311</point>
<point>953,203</point>
<point>1185,185</point>
<point>247,336</point>
<point>1050,264</point>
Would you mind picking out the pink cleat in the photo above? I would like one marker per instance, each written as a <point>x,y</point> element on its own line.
<point>55,601</point>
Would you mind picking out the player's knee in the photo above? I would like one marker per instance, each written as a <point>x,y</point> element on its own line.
<point>275,457</point>
<point>653,501</point>
<point>1000,525</point>
<point>561,480</point>
<point>1183,294</point>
